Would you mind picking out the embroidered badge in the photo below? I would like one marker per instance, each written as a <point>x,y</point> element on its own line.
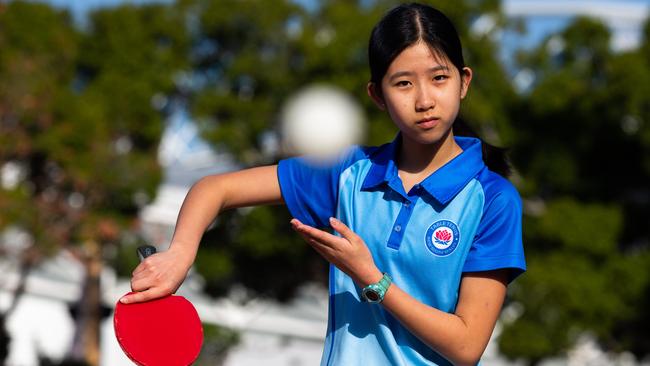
<point>442,238</point>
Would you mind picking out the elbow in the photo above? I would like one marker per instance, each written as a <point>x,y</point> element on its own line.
<point>207,180</point>
<point>467,356</point>
<point>467,361</point>
<point>209,184</point>
<point>210,188</point>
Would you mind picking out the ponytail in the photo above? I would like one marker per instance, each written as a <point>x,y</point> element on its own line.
<point>495,158</point>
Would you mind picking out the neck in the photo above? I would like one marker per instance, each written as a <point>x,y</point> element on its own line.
<point>424,159</point>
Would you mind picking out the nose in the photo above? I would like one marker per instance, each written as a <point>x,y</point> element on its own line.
<point>424,99</point>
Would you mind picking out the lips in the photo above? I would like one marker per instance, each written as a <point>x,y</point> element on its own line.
<point>428,122</point>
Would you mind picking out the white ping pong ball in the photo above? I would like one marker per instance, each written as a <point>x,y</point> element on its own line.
<point>321,121</point>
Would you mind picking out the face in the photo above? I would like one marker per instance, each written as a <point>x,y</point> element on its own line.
<point>422,92</point>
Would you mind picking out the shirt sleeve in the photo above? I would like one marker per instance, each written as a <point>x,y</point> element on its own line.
<point>309,189</point>
<point>498,241</point>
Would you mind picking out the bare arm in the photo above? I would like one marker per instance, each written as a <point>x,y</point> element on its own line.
<point>460,337</point>
<point>163,273</point>
<point>216,193</point>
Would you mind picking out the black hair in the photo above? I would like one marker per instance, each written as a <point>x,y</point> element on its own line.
<point>407,24</point>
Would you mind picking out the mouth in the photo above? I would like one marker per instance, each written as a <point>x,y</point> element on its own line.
<point>428,122</point>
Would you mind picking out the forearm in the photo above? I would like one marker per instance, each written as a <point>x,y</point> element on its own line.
<point>213,194</point>
<point>446,333</point>
<point>202,204</point>
<point>462,336</point>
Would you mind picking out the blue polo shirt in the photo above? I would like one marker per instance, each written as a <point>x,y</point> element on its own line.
<point>462,218</point>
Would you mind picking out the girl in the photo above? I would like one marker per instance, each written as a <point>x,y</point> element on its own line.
<point>427,236</point>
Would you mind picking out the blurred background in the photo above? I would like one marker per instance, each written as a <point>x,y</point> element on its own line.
<point>110,110</point>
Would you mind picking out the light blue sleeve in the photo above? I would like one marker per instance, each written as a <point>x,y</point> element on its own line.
<point>498,240</point>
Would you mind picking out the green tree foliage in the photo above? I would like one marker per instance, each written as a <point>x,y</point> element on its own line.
<point>252,64</point>
<point>582,153</point>
<point>39,48</point>
<point>76,118</point>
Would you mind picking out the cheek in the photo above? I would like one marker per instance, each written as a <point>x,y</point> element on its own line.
<point>399,101</point>
<point>393,113</point>
<point>397,109</point>
<point>452,97</point>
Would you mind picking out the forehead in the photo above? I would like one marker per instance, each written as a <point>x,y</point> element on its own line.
<point>419,56</point>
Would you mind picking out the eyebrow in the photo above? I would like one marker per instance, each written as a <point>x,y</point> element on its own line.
<point>409,73</point>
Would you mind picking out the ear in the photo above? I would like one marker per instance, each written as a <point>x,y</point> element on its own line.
<point>375,94</point>
<point>465,79</point>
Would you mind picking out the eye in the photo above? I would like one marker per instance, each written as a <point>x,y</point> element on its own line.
<point>402,83</point>
<point>440,77</point>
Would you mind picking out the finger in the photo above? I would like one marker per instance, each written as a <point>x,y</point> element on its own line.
<point>139,277</point>
<point>305,237</point>
<point>141,269</point>
<point>319,235</point>
<point>146,264</point>
<point>343,229</point>
<point>301,229</point>
<point>138,270</point>
<point>150,294</point>
<point>323,249</point>
<point>141,284</point>
<point>141,272</point>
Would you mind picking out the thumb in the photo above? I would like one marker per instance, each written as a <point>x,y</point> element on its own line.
<point>342,229</point>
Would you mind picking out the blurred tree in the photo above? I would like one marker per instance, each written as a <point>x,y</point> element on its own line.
<point>38,52</point>
<point>78,126</point>
<point>581,148</point>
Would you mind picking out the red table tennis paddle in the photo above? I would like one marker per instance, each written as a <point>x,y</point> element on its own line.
<point>162,332</point>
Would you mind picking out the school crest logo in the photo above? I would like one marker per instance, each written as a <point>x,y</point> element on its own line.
<point>442,238</point>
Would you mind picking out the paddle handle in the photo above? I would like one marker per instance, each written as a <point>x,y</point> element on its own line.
<point>145,250</point>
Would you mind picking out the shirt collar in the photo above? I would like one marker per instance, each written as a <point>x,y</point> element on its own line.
<point>443,184</point>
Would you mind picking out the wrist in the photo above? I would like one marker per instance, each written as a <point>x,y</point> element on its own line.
<point>185,253</point>
<point>373,275</point>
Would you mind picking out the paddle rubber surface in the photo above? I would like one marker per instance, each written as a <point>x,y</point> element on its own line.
<point>162,332</point>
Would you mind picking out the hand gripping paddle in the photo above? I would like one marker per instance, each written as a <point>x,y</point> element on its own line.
<point>161,332</point>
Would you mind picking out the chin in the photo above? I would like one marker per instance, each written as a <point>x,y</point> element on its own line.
<point>426,137</point>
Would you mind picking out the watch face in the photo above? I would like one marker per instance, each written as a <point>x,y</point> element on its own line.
<point>372,296</point>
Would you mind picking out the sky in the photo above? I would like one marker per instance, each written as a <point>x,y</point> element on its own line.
<point>624,17</point>
<point>79,8</point>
